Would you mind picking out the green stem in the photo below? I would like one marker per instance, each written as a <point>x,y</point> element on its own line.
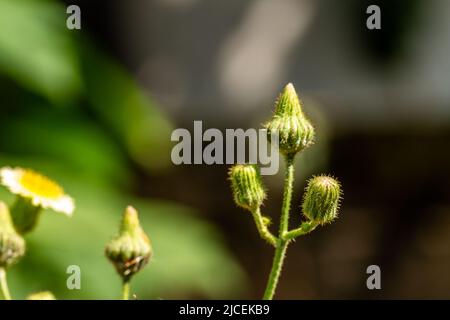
<point>277,265</point>
<point>126,290</point>
<point>4,285</point>
<point>282,244</point>
<point>305,228</point>
<point>262,228</point>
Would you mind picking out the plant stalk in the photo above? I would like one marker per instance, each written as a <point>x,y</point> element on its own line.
<point>126,290</point>
<point>4,285</point>
<point>305,228</point>
<point>282,244</point>
<point>262,228</point>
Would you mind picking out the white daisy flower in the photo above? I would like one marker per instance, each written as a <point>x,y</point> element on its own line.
<point>40,190</point>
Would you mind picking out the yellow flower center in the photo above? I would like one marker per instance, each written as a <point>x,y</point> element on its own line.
<point>40,185</point>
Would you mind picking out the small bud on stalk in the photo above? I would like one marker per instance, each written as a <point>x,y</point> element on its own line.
<point>295,132</point>
<point>130,250</point>
<point>321,200</point>
<point>247,186</point>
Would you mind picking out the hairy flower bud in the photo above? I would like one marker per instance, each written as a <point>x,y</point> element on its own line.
<point>294,130</point>
<point>247,186</point>
<point>321,200</point>
<point>131,249</point>
<point>43,295</point>
<point>12,245</point>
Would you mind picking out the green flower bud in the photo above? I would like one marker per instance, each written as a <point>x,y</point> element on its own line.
<point>294,130</point>
<point>131,249</point>
<point>44,295</point>
<point>321,200</point>
<point>247,186</point>
<point>12,245</point>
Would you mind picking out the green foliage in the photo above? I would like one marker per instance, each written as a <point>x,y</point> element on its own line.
<point>74,114</point>
<point>137,122</point>
<point>193,260</point>
<point>36,49</point>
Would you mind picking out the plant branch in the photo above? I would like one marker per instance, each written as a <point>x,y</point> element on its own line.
<point>305,227</point>
<point>282,244</point>
<point>264,232</point>
<point>126,290</point>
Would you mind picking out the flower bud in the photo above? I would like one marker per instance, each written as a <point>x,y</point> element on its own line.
<point>130,250</point>
<point>12,245</point>
<point>44,295</point>
<point>294,130</point>
<point>321,200</point>
<point>247,186</point>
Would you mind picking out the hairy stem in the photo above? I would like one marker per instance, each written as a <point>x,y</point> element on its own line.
<point>4,285</point>
<point>126,290</point>
<point>262,228</point>
<point>305,228</point>
<point>282,244</point>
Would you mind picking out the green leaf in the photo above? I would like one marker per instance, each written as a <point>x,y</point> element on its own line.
<point>67,137</point>
<point>36,48</point>
<point>118,101</point>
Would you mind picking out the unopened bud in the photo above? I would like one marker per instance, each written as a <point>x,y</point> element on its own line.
<point>130,250</point>
<point>294,130</point>
<point>247,186</point>
<point>321,200</point>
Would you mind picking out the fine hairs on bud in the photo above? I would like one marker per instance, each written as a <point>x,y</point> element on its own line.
<point>247,186</point>
<point>321,199</point>
<point>295,131</point>
<point>12,245</point>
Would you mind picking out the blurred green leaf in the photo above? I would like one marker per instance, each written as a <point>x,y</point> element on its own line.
<point>36,49</point>
<point>118,101</point>
<point>67,137</point>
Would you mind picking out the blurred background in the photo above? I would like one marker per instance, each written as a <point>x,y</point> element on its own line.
<point>94,109</point>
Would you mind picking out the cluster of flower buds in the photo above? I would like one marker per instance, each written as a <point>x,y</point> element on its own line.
<point>321,199</point>
<point>323,193</point>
